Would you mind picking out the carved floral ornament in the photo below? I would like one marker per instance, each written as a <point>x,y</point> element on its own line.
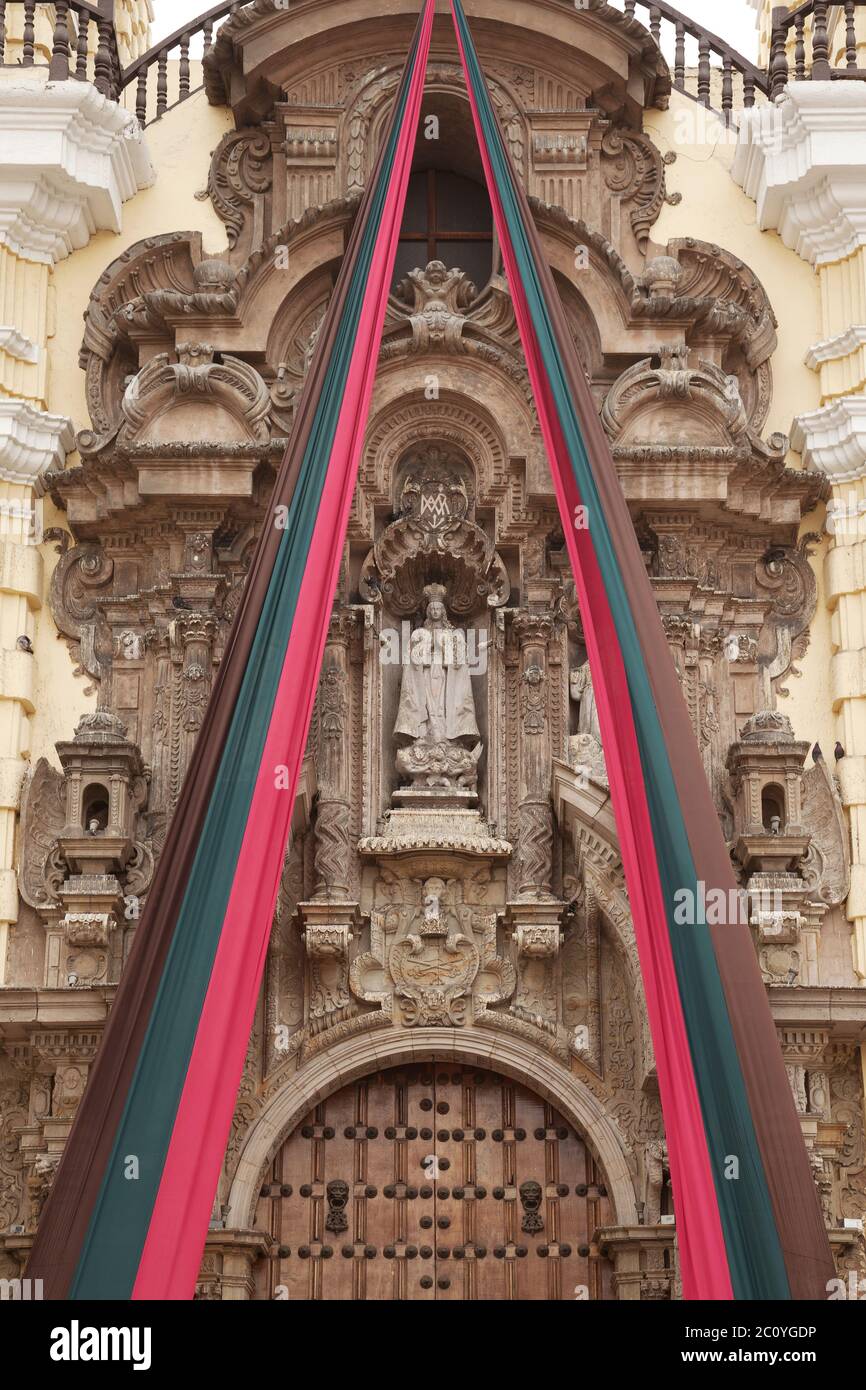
<point>435,964</point>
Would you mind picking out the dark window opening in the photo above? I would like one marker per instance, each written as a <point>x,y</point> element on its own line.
<point>95,809</point>
<point>448,218</point>
<point>773,810</point>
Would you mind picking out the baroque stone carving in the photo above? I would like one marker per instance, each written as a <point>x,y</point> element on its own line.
<point>450,926</point>
<point>435,964</point>
<point>241,168</point>
<point>634,168</point>
<point>434,534</point>
<point>441,298</point>
<point>437,707</point>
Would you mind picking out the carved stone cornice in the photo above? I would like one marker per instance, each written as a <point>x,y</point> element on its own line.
<point>69,158</point>
<point>32,442</point>
<point>638,58</point>
<point>833,439</point>
<point>801,160</point>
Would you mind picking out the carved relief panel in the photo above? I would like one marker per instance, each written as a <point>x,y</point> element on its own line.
<point>434,1183</point>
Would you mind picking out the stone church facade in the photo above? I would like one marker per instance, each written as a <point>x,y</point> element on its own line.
<point>450,1089</point>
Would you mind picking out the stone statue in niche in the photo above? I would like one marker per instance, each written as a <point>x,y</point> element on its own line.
<point>437,919</point>
<point>585,751</point>
<point>437,707</point>
<point>584,696</point>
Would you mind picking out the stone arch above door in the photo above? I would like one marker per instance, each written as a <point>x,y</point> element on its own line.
<point>353,1058</point>
<point>434,1181</point>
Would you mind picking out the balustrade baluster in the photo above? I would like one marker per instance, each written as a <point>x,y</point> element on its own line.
<point>850,34</point>
<point>28,38</point>
<point>629,8</point>
<point>2,31</point>
<point>748,91</point>
<point>103,66</point>
<point>778,54</point>
<point>58,68</point>
<point>184,67</point>
<point>680,58</point>
<point>704,71</point>
<point>82,46</point>
<point>656,24</point>
<point>162,85</point>
<point>800,48</point>
<point>208,36</point>
<point>821,69</point>
<point>141,98</point>
<point>727,87</point>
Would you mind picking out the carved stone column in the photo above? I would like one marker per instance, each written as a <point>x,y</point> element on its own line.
<point>196,633</point>
<point>637,1253</point>
<point>535,865</point>
<point>226,1273</point>
<point>160,758</point>
<point>333,848</point>
<point>534,919</point>
<point>329,921</point>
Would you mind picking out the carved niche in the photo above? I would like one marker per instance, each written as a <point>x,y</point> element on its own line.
<point>434,539</point>
<point>89,851</point>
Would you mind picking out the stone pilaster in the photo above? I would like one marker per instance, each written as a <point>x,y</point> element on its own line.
<point>333,848</point>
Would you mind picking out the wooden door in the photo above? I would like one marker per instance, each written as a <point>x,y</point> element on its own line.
<point>434,1182</point>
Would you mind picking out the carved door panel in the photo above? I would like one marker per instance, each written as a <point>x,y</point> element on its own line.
<point>435,1182</point>
<point>517,1197</point>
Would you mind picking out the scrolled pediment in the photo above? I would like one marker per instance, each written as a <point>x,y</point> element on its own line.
<point>196,400</point>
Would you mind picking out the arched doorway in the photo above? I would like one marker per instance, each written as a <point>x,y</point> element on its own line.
<point>434,1181</point>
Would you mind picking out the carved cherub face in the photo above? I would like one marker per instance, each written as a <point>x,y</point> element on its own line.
<point>436,611</point>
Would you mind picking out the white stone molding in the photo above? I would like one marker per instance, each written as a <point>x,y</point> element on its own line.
<point>18,345</point>
<point>833,439</point>
<point>836,348</point>
<point>803,160</point>
<point>69,159</point>
<point>31,441</point>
